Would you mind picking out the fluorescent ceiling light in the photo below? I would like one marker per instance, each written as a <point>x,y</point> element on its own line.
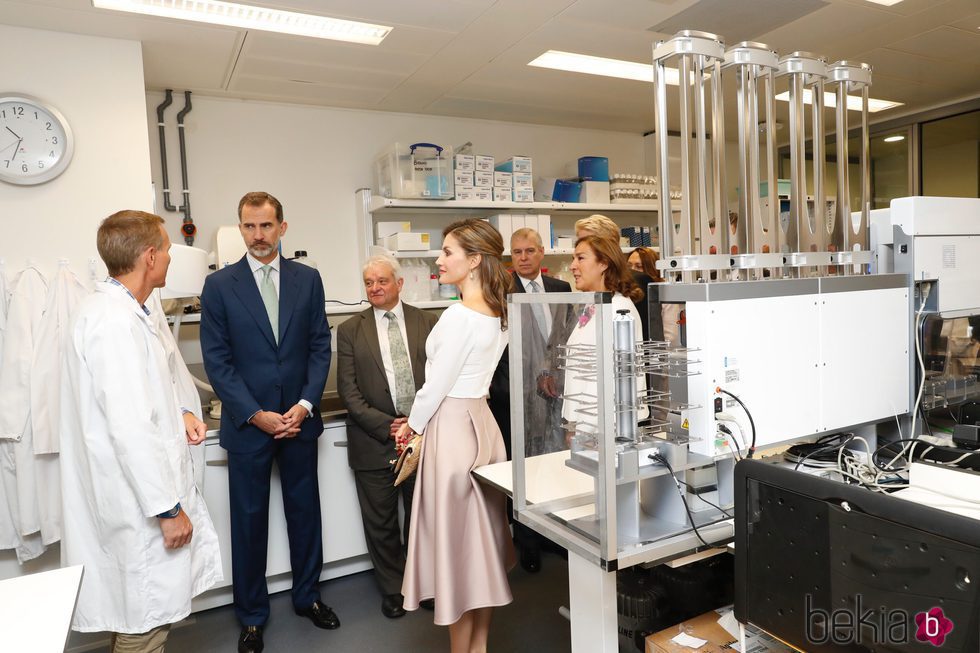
<point>893,139</point>
<point>250,17</point>
<point>583,63</point>
<point>853,101</point>
<point>887,3</point>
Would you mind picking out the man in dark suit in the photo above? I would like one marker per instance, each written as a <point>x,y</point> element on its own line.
<point>380,367</point>
<point>266,346</point>
<point>541,408</point>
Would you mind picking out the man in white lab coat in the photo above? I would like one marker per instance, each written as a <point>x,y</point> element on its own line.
<point>132,514</point>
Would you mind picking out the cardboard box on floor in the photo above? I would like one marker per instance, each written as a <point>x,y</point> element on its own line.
<point>719,640</point>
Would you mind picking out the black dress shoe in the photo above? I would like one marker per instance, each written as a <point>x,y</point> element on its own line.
<point>321,615</point>
<point>531,559</point>
<point>391,606</point>
<point>250,641</point>
<point>428,604</point>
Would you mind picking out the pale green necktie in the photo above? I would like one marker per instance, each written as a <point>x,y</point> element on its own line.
<point>271,300</point>
<point>404,383</point>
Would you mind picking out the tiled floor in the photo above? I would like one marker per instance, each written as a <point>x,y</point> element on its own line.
<point>530,624</point>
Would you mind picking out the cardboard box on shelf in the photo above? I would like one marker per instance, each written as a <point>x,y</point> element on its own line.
<point>595,192</point>
<point>464,162</point>
<point>385,229</point>
<point>515,164</point>
<point>407,241</point>
<point>707,634</point>
<point>503,180</point>
<point>501,194</point>
<point>463,178</point>
<point>483,179</point>
<point>523,194</point>
<point>522,180</point>
<point>484,163</point>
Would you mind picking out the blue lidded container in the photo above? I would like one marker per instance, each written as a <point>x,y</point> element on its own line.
<point>593,168</point>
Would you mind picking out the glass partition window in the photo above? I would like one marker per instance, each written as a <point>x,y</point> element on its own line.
<point>951,156</point>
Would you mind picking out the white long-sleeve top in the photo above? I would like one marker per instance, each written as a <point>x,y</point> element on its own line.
<point>462,352</point>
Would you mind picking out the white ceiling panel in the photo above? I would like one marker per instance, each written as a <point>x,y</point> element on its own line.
<point>331,95</point>
<point>922,70</point>
<point>469,57</point>
<point>275,46</point>
<point>318,74</point>
<point>946,43</point>
<point>624,14</point>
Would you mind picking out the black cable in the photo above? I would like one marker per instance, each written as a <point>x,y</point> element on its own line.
<point>657,457</point>
<point>820,446</point>
<point>701,498</point>
<point>751,421</point>
<point>738,442</point>
<point>874,454</point>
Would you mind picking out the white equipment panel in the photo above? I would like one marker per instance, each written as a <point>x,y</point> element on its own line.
<point>807,356</point>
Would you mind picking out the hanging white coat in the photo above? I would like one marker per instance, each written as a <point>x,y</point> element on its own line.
<point>125,459</point>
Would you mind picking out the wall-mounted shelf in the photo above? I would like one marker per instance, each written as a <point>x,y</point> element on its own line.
<point>434,253</point>
<point>382,205</point>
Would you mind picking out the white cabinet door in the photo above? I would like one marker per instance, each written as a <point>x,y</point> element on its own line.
<point>343,532</point>
<point>216,497</point>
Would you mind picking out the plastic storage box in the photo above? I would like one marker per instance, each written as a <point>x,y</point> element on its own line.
<point>417,171</point>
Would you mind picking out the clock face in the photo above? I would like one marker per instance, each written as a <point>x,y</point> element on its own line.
<point>35,141</point>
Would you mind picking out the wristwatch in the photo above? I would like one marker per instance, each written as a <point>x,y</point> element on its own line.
<point>170,514</point>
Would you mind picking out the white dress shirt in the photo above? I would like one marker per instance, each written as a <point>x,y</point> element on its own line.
<point>257,274</point>
<point>382,323</point>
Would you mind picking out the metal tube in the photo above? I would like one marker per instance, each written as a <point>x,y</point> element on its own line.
<point>687,203</point>
<point>186,205</point>
<point>819,231</point>
<point>797,193</point>
<point>663,177</point>
<point>769,221</point>
<point>624,341</point>
<point>722,229</point>
<point>843,192</point>
<point>744,214</point>
<point>752,134</point>
<point>701,232</point>
<point>862,238</point>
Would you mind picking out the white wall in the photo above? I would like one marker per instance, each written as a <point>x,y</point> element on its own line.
<point>314,159</point>
<point>98,85</point>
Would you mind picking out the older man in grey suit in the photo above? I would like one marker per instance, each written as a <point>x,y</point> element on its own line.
<point>380,367</point>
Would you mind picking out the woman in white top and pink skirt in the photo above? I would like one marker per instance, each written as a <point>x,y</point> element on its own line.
<point>459,544</point>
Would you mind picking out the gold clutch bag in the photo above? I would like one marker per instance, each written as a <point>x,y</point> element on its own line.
<point>408,461</point>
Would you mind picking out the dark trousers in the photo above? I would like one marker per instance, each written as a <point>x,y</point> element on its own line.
<point>378,497</point>
<point>249,477</point>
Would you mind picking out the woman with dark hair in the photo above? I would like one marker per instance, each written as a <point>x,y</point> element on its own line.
<point>644,259</point>
<point>598,265</point>
<point>459,544</point>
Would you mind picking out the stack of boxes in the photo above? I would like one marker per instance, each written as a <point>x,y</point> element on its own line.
<point>473,174</point>
<point>639,236</point>
<point>522,184</point>
<point>508,223</point>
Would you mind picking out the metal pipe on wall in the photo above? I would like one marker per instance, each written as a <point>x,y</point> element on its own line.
<point>161,126</point>
<point>187,229</point>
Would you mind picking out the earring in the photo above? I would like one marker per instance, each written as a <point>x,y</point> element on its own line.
<point>471,275</point>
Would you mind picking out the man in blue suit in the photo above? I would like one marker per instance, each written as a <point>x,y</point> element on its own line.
<point>266,346</point>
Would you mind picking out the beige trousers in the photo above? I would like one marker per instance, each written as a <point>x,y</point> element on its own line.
<point>152,641</point>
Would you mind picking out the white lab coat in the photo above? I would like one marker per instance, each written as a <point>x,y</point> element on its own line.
<point>24,314</point>
<point>65,293</point>
<point>187,395</point>
<point>125,459</point>
<point>14,532</point>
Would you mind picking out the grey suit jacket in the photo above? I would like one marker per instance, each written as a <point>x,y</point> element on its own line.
<point>363,386</point>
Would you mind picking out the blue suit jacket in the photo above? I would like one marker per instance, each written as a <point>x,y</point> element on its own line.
<point>248,370</point>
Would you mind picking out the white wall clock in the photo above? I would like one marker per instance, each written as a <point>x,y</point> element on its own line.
<point>36,142</point>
